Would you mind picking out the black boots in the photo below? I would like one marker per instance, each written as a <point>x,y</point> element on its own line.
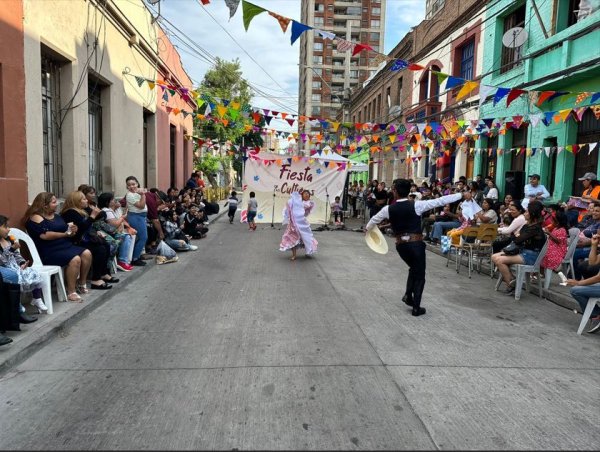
<point>4,340</point>
<point>10,308</point>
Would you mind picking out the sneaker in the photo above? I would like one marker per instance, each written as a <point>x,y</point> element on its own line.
<point>138,263</point>
<point>39,304</point>
<point>193,247</point>
<point>124,267</point>
<point>595,325</point>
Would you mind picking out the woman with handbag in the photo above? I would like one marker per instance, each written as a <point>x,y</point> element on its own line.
<point>76,210</point>
<point>506,234</point>
<point>525,248</point>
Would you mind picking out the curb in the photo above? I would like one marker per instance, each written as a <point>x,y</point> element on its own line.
<point>29,342</point>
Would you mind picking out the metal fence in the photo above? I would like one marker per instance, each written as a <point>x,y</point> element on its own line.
<point>216,193</point>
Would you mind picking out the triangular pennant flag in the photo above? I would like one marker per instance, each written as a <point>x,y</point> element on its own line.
<point>250,10</point>
<point>466,89</point>
<point>415,67</point>
<point>298,29</point>
<point>283,21</point>
<point>579,112</point>
<point>225,122</point>
<point>547,151</point>
<point>548,117</point>
<point>290,121</point>
<point>544,95</point>
<point>453,82</point>
<point>500,93</point>
<point>392,138</point>
<point>564,114</point>
<point>165,96</point>
<point>592,147</point>
<point>205,2</point>
<point>484,92</point>
<point>514,93</point>
<point>556,95</point>
<point>360,47</point>
<point>151,84</point>
<point>221,110</point>
<point>399,64</point>
<point>595,97</point>
<point>233,6</point>
<point>140,80</point>
<point>581,97</point>
<point>440,77</point>
<point>535,119</point>
<point>325,34</point>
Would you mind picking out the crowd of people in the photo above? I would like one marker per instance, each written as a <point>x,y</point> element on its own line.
<point>92,236</point>
<point>523,226</point>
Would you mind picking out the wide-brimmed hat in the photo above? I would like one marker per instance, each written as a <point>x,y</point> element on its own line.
<point>376,241</point>
<point>590,176</point>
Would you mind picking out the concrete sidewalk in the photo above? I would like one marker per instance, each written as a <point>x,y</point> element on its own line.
<point>34,335</point>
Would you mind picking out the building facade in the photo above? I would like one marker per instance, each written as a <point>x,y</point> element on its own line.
<point>13,144</point>
<point>559,53</point>
<point>326,75</point>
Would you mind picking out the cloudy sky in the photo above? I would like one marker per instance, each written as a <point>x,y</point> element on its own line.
<point>267,59</point>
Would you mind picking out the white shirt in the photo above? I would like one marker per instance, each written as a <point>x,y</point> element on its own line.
<point>420,207</point>
<point>531,191</point>
<point>492,193</point>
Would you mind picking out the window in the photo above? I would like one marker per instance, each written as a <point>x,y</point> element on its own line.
<point>318,21</point>
<point>378,106</point>
<point>316,98</point>
<point>511,56</point>
<point>353,11</point>
<point>588,131</point>
<point>319,7</point>
<point>316,85</point>
<point>53,177</point>
<point>376,11</point>
<point>95,133</point>
<point>399,93</point>
<point>318,71</point>
<point>318,46</point>
<point>424,87</point>
<point>374,36</point>
<point>375,24</point>
<point>432,7</point>
<point>375,48</point>
<point>551,142</point>
<point>353,74</point>
<point>388,96</point>
<point>467,56</point>
<point>316,110</point>
<point>317,59</point>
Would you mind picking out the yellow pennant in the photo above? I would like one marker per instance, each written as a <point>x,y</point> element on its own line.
<point>466,89</point>
<point>392,138</point>
<point>221,109</point>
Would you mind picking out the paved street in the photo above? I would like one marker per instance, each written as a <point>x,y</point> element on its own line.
<point>237,347</point>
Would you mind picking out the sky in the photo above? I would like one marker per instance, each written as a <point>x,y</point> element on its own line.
<point>268,60</point>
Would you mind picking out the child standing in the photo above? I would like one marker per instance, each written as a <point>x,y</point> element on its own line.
<point>14,268</point>
<point>233,205</point>
<point>336,208</point>
<point>252,209</point>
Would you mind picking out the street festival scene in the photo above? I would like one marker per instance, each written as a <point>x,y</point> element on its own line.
<point>299,224</point>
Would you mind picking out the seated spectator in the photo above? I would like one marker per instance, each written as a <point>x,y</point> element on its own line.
<point>476,192</point>
<point>75,209</point>
<point>174,236</point>
<point>493,191</point>
<point>506,234</point>
<point>51,236</point>
<point>123,231</point>
<point>193,223</point>
<point>534,190</point>
<point>90,194</point>
<point>584,241</point>
<point>137,212</point>
<point>192,182</point>
<point>590,193</point>
<point>455,233</point>
<point>486,214</point>
<point>14,269</point>
<point>589,287</point>
<point>450,221</point>
<point>531,239</point>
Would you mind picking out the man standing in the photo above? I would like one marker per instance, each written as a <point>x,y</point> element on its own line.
<point>534,190</point>
<point>405,218</point>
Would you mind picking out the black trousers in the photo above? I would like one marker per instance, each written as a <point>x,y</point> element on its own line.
<point>100,255</point>
<point>413,253</point>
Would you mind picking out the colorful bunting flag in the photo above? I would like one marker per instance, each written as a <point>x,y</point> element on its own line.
<point>283,21</point>
<point>297,29</point>
<point>250,10</point>
<point>233,6</point>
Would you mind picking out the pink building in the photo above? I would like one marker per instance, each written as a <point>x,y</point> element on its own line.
<point>174,159</point>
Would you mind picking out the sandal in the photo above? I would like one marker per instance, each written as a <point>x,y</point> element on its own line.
<point>81,288</point>
<point>74,298</point>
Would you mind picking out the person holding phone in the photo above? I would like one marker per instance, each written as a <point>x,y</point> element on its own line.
<point>137,213</point>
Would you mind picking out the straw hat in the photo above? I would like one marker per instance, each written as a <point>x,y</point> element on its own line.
<point>376,241</point>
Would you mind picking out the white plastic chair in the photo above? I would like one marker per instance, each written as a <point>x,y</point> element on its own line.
<point>523,272</point>
<point>592,302</point>
<point>45,270</point>
<point>568,259</point>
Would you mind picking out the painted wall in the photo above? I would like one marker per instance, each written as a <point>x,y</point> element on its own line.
<point>177,76</point>
<point>13,145</point>
<point>87,39</point>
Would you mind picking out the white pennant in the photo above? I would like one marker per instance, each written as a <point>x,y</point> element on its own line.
<point>535,119</point>
<point>326,34</point>
<point>559,150</point>
<point>592,147</point>
<point>547,150</point>
<point>484,91</point>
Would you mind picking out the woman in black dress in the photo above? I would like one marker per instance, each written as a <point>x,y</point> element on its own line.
<point>51,236</point>
<point>76,210</point>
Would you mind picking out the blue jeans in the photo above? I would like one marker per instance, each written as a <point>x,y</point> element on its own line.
<point>580,253</point>
<point>178,245</point>
<point>583,293</point>
<point>138,222</point>
<point>440,228</point>
<point>9,275</point>
<point>124,249</point>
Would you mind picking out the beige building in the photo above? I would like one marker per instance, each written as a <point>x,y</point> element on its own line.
<point>87,121</point>
<point>326,75</point>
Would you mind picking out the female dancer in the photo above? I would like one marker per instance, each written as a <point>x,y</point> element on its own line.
<point>298,233</point>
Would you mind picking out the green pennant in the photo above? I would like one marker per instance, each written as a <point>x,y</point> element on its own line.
<point>249,11</point>
<point>172,91</point>
<point>440,76</point>
<point>233,113</point>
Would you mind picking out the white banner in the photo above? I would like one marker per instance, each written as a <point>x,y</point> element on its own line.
<point>273,182</point>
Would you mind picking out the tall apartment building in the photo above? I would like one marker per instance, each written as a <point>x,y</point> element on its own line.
<point>326,75</point>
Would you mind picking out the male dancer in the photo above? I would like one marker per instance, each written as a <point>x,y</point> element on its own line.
<point>405,217</point>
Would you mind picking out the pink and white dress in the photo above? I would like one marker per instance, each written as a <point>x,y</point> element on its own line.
<point>298,232</point>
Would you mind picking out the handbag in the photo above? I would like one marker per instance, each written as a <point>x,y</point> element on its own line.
<point>445,244</point>
<point>512,249</point>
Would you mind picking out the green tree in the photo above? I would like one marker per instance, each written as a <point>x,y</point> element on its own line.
<point>225,83</point>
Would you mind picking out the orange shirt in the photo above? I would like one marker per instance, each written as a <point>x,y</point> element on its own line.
<point>594,192</point>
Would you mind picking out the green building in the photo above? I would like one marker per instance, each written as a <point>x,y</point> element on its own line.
<point>560,53</point>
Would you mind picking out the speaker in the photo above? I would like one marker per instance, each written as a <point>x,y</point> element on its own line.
<point>514,184</point>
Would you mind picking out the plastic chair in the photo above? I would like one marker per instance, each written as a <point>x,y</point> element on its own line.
<point>523,272</point>
<point>589,307</point>
<point>483,245</point>
<point>567,260</point>
<point>464,248</point>
<point>45,270</point>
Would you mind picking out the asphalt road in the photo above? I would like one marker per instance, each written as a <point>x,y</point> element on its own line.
<point>237,347</point>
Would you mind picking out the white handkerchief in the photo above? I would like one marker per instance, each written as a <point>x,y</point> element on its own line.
<point>469,209</point>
